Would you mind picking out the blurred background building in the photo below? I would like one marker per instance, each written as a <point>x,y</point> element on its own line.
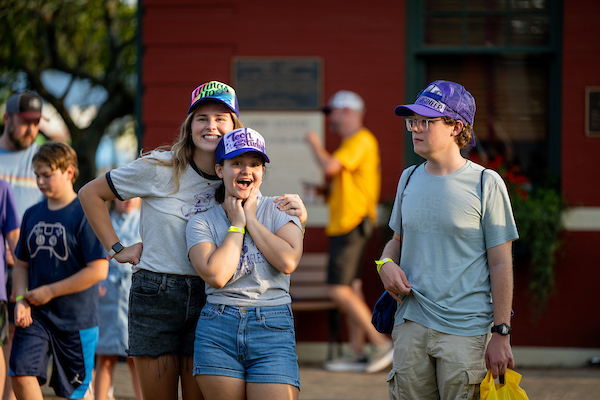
<point>532,66</point>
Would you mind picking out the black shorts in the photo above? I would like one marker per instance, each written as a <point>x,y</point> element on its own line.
<point>346,254</point>
<point>163,312</point>
<point>72,354</point>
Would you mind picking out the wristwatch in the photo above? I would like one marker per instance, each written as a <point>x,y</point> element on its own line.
<point>117,247</point>
<point>502,329</point>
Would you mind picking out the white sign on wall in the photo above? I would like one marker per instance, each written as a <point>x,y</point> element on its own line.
<point>292,160</point>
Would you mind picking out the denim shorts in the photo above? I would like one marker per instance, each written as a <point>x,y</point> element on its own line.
<point>163,311</point>
<point>254,344</point>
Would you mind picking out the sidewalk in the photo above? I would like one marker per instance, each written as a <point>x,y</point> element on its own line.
<point>318,384</point>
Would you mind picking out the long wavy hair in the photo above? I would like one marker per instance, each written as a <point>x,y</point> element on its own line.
<point>182,151</point>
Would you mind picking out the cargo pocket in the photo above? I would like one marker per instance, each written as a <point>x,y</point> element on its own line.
<point>475,375</point>
<point>392,381</point>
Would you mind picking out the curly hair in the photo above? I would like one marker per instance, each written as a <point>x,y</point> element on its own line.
<point>465,136</point>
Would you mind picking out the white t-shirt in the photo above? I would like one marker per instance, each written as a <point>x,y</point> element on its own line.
<point>163,216</point>
<point>256,283</point>
<point>447,229</point>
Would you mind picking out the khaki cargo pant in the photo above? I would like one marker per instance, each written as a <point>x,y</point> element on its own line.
<point>432,365</point>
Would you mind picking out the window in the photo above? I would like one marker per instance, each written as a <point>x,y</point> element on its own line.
<point>505,52</point>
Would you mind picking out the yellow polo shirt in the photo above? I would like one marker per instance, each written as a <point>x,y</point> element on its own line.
<point>356,188</point>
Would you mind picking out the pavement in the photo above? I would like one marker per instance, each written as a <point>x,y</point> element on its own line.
<point>318,384</point>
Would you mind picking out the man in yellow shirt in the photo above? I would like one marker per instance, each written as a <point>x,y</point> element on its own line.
<point>355,173</point>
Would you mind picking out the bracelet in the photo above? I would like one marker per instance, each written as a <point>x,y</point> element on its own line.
<point>19,298</point>
<point>380,263</point>
<point>236,229</point>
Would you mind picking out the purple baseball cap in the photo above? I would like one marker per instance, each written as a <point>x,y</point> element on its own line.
<point>442,98</point>
<point>215,91</point>
<point>240,141</point>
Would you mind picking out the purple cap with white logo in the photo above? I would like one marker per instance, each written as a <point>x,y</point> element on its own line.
<point>442,98</point>
<point>215,91</point>
<point>240,141</point>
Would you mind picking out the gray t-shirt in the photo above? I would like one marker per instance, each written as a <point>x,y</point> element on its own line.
<point>163,215</point>
<point>447,229</point>
<point>256,283</point>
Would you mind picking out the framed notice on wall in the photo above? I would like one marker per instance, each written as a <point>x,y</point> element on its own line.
<point>281,83</point>
<point>592,111</point>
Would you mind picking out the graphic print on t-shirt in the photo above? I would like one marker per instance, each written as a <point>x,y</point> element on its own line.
<point>202,203</point>
<point>48,237</point>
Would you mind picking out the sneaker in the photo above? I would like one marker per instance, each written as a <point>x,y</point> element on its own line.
<point>383,358</point>
<point>348,363</point>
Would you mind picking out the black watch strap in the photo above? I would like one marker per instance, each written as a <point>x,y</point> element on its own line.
<point>502,329</point>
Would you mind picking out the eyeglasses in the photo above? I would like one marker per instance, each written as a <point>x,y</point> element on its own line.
<point>422,124</point>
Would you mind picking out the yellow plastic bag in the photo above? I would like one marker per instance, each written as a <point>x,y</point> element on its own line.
<point>510,390</point>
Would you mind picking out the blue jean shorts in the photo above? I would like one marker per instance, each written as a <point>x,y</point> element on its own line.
<point>163,311</point>
<point>254,344</point>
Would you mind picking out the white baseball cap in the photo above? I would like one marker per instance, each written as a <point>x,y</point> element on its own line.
<point>345,99</point>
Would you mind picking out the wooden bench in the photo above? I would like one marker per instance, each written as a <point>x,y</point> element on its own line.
<point>308,289</point>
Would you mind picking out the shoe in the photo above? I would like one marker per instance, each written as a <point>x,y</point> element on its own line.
<point>382,359</point>
<point>347,364</point>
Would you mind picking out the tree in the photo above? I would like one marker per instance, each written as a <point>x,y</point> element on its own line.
<point>93,40</point>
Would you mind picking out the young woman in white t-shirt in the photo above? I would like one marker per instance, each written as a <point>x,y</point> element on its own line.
<point>167,294</point>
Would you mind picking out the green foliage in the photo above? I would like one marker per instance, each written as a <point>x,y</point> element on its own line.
<point>538,217</point>
<point>92,40</point>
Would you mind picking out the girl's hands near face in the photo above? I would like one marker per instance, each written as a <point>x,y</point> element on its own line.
<point>251,202</point>
<point>235,211</point>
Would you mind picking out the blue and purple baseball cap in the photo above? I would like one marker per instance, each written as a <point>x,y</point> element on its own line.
<point>240,141</point>
<point>215,91</point>
<point>442,98</point>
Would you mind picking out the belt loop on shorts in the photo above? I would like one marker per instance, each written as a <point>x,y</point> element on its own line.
<point>258,317</point>
<point>221,308</point>
<point>163,285</point>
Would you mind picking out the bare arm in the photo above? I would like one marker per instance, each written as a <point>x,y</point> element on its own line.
<point>328,163</point>
<point>94,272</point>
<point>393,278</point>
<point>282,249</point>
<point>20,283</point>
<point>498,356</point>
<point>12,238</point>
<point>93,197</point>
<point>216,265</point>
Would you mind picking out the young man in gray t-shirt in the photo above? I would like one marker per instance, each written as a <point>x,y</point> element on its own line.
<point>453,231</point>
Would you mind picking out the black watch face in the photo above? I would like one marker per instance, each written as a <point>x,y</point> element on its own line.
<point>117,247</point>
<point>502,329</point>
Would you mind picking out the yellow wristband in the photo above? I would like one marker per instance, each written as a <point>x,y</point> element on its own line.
<point>19,298</point>
<point>236,229</point>
<point>381,262</point>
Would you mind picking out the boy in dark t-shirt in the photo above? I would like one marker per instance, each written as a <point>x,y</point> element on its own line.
<point>59,264</point>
